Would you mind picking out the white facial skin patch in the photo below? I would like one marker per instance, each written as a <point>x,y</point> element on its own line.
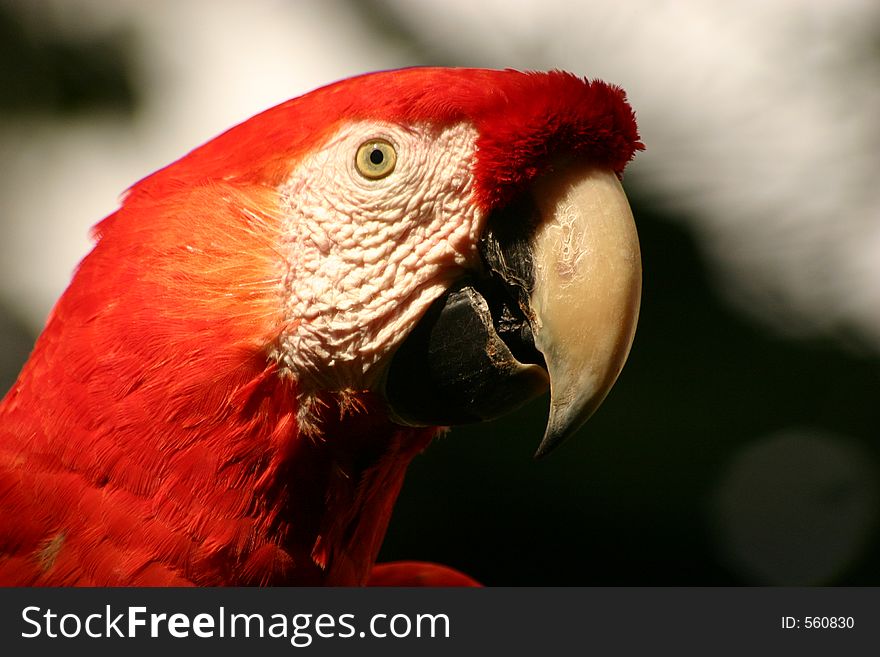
<point>366,256</point>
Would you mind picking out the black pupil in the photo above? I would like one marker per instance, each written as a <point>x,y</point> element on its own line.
<point>376,156</point>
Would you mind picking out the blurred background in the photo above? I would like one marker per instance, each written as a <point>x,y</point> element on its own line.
<point>741,443</point>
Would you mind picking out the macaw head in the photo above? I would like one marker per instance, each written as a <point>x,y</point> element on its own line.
<point>455,241</point>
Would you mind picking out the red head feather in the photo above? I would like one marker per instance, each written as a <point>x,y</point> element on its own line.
<point>523,119</point>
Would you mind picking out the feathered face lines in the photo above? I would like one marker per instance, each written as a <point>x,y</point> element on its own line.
<point>368,253</point>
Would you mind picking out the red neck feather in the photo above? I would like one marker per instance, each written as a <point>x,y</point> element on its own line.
<point>152,387</point>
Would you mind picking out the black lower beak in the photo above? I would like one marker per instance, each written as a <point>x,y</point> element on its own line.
<point>555,304</point>
<point>458,366</point>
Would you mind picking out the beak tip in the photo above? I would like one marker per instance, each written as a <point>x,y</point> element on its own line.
<point>566,419</point>
<point>551,441</point>
<point>543,450</point>
<point>558,431</point>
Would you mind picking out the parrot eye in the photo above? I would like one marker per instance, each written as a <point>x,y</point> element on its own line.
<point>375,159</point>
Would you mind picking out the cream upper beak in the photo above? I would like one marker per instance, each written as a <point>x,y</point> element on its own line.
<point>586,293</point>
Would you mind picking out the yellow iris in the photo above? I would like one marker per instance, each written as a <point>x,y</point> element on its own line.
<point>375,159</point>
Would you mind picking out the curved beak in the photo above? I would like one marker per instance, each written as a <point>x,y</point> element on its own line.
<point>586,292</point>
<point>556,304</point>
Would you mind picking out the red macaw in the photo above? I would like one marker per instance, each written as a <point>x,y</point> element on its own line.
<point>269,329</point>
